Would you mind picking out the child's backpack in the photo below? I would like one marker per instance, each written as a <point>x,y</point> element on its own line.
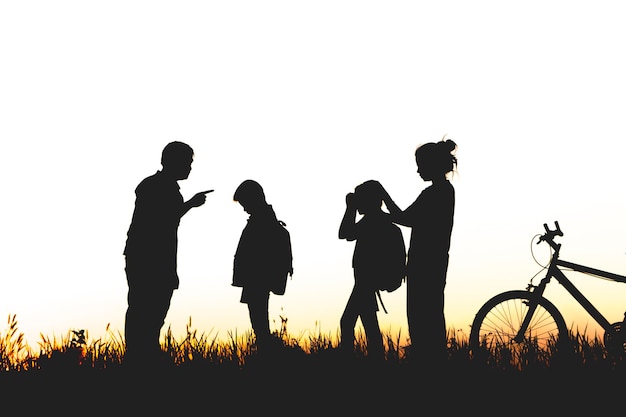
<point>263,252</point>
<point>393,263</point>
<point>281,240</point>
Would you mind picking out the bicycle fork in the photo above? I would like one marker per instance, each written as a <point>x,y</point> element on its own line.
<point>536,294</point>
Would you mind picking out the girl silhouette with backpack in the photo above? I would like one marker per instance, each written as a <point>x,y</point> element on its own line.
<point>379,256</point>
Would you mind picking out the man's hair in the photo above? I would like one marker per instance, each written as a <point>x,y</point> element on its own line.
<point>174,152</point>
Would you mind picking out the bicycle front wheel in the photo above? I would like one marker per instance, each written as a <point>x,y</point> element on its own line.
<point>499,320</point>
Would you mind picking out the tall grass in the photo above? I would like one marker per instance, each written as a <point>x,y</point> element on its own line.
<point>197,349</point>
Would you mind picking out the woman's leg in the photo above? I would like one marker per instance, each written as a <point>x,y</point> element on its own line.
<point>426,320</point>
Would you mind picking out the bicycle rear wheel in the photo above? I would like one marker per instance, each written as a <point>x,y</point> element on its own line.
<point>498,321</point>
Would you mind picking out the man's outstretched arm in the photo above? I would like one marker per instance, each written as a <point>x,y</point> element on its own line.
<point>196,201</point>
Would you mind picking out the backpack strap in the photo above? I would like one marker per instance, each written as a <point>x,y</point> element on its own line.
<point>380,300</point>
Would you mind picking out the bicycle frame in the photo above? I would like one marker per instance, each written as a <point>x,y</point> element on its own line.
<point>555,272</point>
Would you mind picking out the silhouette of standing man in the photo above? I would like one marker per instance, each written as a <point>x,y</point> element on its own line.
<point>151,253</point>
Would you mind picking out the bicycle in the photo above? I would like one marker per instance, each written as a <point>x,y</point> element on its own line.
<point>515,319</point>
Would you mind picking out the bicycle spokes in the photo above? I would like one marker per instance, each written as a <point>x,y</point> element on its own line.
<point>498,325</point>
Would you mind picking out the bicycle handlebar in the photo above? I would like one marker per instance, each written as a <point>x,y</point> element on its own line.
<point>550,234</point>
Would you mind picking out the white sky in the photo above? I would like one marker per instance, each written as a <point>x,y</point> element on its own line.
<point>309,99</point>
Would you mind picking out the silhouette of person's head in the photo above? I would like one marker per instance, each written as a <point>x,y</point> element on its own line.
<point>250,195</point>
<point>368,196</point>
<point>176,160</point>
<point>435,159</point>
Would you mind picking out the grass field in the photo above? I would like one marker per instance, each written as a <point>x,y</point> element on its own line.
<point>305,376</point>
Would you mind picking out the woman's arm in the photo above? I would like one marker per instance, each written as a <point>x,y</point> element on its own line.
<point>398,216</point>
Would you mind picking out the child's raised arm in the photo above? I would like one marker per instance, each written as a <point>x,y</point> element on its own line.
<point>347,229</point>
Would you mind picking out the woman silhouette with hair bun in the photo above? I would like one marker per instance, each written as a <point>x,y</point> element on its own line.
<point>430,218</point>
